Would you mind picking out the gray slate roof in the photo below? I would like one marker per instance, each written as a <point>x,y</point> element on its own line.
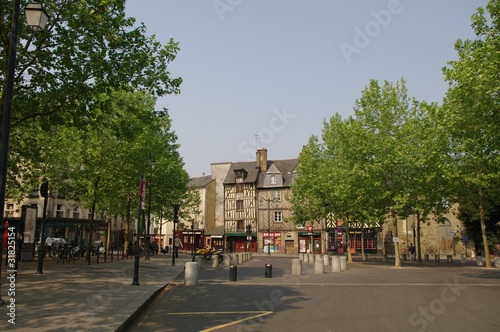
<point>253,174</point>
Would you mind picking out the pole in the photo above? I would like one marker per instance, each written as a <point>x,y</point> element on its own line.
<point>192,237</point>
<point>41,249</point>
<point>268,227</point>
<point>7,115</point>
<point>173,245</point>
<point>135,282</point>
<point>148,235</point>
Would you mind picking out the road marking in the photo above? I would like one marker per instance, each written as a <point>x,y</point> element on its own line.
<point>257,315</point>
<point>351,284</point>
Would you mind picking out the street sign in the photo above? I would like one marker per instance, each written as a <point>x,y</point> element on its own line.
<point>310,228</point>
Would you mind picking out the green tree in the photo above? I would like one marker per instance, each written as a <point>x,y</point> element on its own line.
<point>472,117</point>
<point>89,48</point>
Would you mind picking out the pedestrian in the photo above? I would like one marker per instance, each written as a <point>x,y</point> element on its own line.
<point>411,250</point>
<point>177,244</point>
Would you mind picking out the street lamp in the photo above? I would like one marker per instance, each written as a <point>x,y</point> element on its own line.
<point>44,191</point>
<point>9,90</point>
<point>268,200</point>
<point>148,235</point>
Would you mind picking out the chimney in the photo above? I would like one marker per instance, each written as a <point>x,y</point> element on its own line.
<point>262,159</point>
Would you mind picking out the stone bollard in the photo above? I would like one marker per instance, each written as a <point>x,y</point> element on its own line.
<point>311,258</point>
<point>301,256</point>
<point>215,261</point>
<point>335,264</point>
<point>306,258</point>
<point>479,261</point>
<point>296,267</point>
<point>191,274</point>
<point>319,267</point>
<point>326,260</point>
<point>343,263</point>
<point>199,259</point>
<point>234,259</point>
<point>227,260</point>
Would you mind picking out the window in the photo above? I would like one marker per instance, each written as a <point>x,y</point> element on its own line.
<point>273,179</point>
<point>59,211</point>
<point>278,216</point>
<point>277,195</point>
<point>239,187</point>
<point>241,225</point>
<point>239,205</point>
<point>9,211</point>
<point>76,214</point>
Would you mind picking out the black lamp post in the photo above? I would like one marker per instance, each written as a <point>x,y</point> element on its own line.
<point>44,191</point>
<point>32,11</point>
<point>176,220</point>
<point>142,192</point>
<point>148,235</point>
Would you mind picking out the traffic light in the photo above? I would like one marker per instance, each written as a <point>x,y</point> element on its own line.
<point>44,189</point>
<point>176,213</point>
<point>249,230</point>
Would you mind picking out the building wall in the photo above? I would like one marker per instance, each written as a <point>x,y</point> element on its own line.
<point>219,172</point>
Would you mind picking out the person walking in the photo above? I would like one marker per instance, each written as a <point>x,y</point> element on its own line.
<point>177,244</point>
<point>411,250</point>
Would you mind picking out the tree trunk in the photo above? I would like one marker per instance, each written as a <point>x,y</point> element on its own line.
<point>418,239</point>
<point>483,231</point>
<point>348,239</point>
<point>397,259</point>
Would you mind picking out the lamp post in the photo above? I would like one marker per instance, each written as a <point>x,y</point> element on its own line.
<point>268,200</point>
<point>176,220</point>
<point>44,190</point>
<point>192,238</point>
<point>142,193</point>
<point>33,11</point>
<point>148,235</point>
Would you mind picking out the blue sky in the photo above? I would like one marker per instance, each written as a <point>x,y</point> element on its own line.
<point>268,73</point>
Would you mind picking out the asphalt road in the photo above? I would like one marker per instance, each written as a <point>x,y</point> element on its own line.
<point>372,296</point>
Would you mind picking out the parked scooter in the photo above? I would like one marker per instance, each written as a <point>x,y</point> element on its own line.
<point>207,254</point>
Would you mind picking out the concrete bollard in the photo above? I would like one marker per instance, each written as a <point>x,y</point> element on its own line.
<point>311,258</point>
<point>234,259</point>
<point>319,266</point>
<point>335,264</point>
<point>306,258</point>
<point>301,256</point>
<point>343,263</point>
<point>191,274</point>
<point>199,259</point>
<point>296,267</point>
<point>326,260</point>
<point>215,261</point>
<point>227,260</point>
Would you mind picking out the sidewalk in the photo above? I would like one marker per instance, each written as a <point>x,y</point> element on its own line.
<point>80,297</point>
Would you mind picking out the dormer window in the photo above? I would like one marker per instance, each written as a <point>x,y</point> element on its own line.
<point>273,179</point>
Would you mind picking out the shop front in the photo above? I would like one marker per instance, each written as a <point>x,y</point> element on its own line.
<point>310,242</point>
<point>240,242</point>
<point>272,242</point>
